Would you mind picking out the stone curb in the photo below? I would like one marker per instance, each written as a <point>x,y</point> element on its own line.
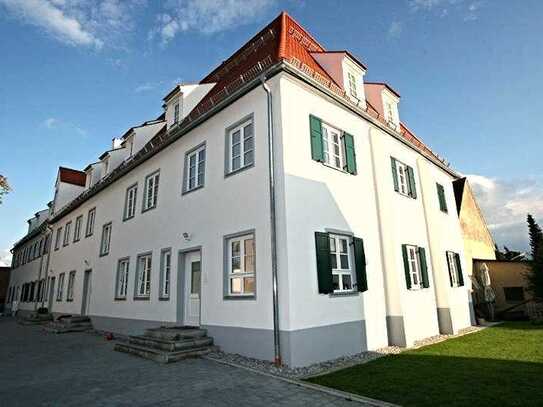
<point>336,393</point>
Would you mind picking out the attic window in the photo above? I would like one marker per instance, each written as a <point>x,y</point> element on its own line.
<point>390,115</point>
<point>352,84</point>
<point>176,112</point>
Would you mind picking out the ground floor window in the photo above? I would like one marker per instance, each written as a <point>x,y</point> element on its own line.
<point>70,290</point>
<point>415,267</point>
<point>143,281</point>
<point>122,278</point>
<point>60,288</point>
<point>341,262</point>
<point>241,265</point>
<point>165,272</point>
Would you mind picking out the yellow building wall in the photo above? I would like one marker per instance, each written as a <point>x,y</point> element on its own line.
<point>478,242</point>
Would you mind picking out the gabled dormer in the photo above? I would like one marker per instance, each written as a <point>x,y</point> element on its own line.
<point>69,184</point>
<point>346,70</point>
<point>181,100</point>
<point>385,101</point>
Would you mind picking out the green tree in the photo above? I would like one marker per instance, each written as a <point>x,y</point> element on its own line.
<point>535,276</point>
<point>4,187</point>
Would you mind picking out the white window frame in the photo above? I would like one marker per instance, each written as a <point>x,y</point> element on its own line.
<point>192,169</point>
<point>413,261</point>
<point>402,175</point>
<point>241,273</point>
<point>66,240</point>
<point>352,84</point>
<point>143,276</point>
<point>91,219</point>
<point>105,242</point>
<point>130,202</point>
<point>243,151</point>
<point>70,289</point>
<point>336,252</point>
<point>166,273</point>
<point>150,192</point>
<point>60,288</point>
<point>329,146</point>
<point>390,119</point>
<point>77,228</point>
<point>123,268</point>
<point>57,243</point>
<point>176,111</point>
<point>453,269</point>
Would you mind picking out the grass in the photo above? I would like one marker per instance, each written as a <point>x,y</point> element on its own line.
<point>499,366</point>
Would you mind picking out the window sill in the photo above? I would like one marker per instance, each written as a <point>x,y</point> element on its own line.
<point>147,298</point>
<point>148,209</point>
<point>405,195</point>
<point>344,294</point>
<point>240,297</point>
<point>164,298</point>
<point>229,173</point>
<point>70,300</point>
<point>128,218</point>
<point>335,168</point>
<point>119,299</point>
<point>104,254</point>
<point>188,191</point>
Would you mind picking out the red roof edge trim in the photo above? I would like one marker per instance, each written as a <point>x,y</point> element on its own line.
<point>71,176</point>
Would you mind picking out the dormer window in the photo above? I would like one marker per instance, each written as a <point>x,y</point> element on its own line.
<point>176,112</point>
<point>352,84</point>
<point>390,115</point>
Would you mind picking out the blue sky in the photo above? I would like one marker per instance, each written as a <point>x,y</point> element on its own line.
<point>77,73</point>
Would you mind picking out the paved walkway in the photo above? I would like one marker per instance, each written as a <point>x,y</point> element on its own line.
<point>80,369</point>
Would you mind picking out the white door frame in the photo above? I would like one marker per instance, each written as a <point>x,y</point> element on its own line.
<point>181,290</point>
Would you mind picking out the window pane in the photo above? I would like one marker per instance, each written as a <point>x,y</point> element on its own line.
<point>236,163</point>
<point>335,281</point>
<point>249,285</point>
<point>344,259</point>
<point>248,157</point>
<point>236,150</point>
<point>333,261</point>
<point>236,267</point>
<point>195,278</point>
<point>202,155</point>
<point>332,245</point>
<point>343,245</point>
<point>236,137</point>
<point>248,130</point>
<point>235,285</point>
<point>347,283</point>
<point>248,143</point>
<point>249,256</point>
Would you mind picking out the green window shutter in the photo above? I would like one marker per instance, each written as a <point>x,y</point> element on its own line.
<point>423,267</point>
<point>459,268</point>
<point>394,174</point>
<point>406,266</point>
<point>449,267</point>
<point>441,198</point>
<point>324,268</point>
<point>412,185</point>
<point>350,155</point>
<point>360,264</point>
<point>315,126</point>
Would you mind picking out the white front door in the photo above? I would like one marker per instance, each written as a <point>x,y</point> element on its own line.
<point>193,275</point>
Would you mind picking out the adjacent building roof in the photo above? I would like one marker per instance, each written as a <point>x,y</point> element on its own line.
<point>72,176</point>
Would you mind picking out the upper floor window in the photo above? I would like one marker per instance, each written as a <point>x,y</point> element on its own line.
<point>352,84</point>
<point>150,193</point>
<point>404,179</point>
<point>240,146</point>
<point>415,267</point>
<point>70,290</point>
<point>91,217</point>
<point>122,279</point>
<point>57,238</point>
<point>143,276</point>
<point>441,198</point>
<point>67,230</point>
<point>130,202</point>
<point>241,265</point>
<point>77,228</point>
<point>106,239</point>
<point>332,146</point>
<point>195,168</point>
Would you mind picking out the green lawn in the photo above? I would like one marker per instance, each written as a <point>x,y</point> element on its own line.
<point>499,366</point>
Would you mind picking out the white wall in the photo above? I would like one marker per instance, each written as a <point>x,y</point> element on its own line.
<point>318,197</point>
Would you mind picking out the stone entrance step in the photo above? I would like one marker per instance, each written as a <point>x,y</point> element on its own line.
<point>69,323</point>
<point>35,318</point>
<point>168,344</point>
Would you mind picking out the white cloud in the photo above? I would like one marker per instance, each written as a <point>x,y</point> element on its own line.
<point>50,123</point>
<point>468,10</point>
<point>163,85</point>
<point>395,29</point>
<point>206,16</point>
<point>5,258</point>
<point>505,204</point>
<point>78,22</point>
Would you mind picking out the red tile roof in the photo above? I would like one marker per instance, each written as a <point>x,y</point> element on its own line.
<point>281,40</point>
<point>71,176</point>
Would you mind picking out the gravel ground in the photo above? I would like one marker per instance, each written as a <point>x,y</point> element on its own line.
<point>329,366</point>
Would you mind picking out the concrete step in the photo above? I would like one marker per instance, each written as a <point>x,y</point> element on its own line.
<point>63,330</point>
<point>175,333</point>
<point>160,355</point>
<point>70,324</point>
<point>166,345</point>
